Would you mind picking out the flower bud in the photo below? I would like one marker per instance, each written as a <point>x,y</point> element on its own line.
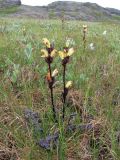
<point>55,73</point>
<point>70,52</point>
<point>85,28</point>
<point>69,85</point>
<point>46,42</point>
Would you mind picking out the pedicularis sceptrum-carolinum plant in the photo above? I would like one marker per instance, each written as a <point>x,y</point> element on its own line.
<point>65,56</point>
<point>49,54</point>
<point>84,35</point>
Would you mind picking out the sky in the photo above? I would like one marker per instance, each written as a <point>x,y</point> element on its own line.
<point>104,3</point>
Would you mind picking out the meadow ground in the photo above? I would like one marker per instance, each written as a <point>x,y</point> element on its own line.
<point>95,95</point>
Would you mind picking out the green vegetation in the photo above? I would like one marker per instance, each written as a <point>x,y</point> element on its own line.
<point>116,17</point>
<point>8,10</point>
<point>95,95</point>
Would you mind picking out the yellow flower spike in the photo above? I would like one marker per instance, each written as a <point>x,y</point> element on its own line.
<point>69,84</point>
<point>46,42</point>
<point>62,54</point>
<point>85,28</point>
<point>53,53</point>
<point>70,52</point>
<point>45,53</point>
<point>55,73</point>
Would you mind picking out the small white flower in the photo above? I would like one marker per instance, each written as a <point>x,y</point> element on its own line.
<point>105,32</point>
<point>70,42</point>
<point>91,46</point>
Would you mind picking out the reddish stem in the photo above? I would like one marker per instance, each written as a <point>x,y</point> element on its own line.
<point>51,92</point>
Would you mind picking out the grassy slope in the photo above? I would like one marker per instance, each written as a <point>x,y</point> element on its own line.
<point>96,78</point>
<point>9,10</point>
<point>6,8</point>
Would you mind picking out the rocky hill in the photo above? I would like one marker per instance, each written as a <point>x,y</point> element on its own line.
<point>79,11</point>
<point>71,10</point>
<point>114,11</point>
<point>82,11</point>
<point>9,3</point>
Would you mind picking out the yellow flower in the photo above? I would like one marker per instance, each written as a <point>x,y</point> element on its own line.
<point>65,53</point>
<point>85,28</point>
<point>62,54</point>
<point>53,53</point>
<point>46,42</point>
<point>69,84</point>
<point>55,72</point>
<point>45,53</point>
<point>70,52</point>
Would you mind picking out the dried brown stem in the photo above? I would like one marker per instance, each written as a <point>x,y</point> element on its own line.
<point>84,40</point>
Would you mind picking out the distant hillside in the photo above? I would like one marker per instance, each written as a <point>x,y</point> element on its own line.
<point>71,11</point>
<point>113,11</point>
<point>32,12</point>
<point>9,3</point>
<point>81,11</point>
<point>9,6</point>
